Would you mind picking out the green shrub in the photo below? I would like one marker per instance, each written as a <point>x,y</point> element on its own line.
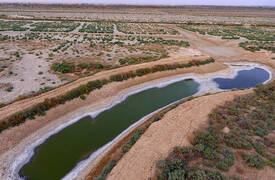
<point>177,175</point>
<point>161,164</point>
<point>99,66</point>
<point>199,147</point>
<point>63,67</point>
<point>253,160</point>
<point>215,175</point>
<point>83,65</point>
<point>17,54</point>
<point>132,141</point>
<point>82,97</point>
<point>260,131</point>
<point>131,61</point>
<point>237,142</point>
<point>222,165</point>
<point>122,61</point>
<point>176,164</point>
<point>260,148</point>
<point>106,170</point>
<point>244,115</point>
<point>209,153</point>
<point>9,89</point>
<point>143,71</point>
<point>201,174</point>
<point>208,139</point>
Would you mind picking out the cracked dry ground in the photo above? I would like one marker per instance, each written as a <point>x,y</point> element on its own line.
<point>174,129</point>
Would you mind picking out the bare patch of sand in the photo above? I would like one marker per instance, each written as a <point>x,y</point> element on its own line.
<point>29,75</point>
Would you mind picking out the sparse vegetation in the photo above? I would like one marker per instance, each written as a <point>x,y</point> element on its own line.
<point>250,119</point>
<point>136,60</point>
<point>257,38</point>
<point>82,97</point>
<point>13,25</point>
<point>41,108</point>
<point>160,40</point>
<point>67,67</point>
<point>63,67</point>
<point>258,45</point>
<point>139,28</point>
<point>9,89</point>
<point>133,140</point>
<point>54,26</point>
<point>253,160</point>
<point>105,171</point>
<point>98,27</point>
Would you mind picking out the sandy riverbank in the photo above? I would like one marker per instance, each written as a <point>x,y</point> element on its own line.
<point>15,139</point>
<point>172,130</point>
<point>34,130</point>
<point>21,105</point>
<point>106,156</point>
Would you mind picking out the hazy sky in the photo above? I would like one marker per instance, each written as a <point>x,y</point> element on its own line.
<point>170,2</point>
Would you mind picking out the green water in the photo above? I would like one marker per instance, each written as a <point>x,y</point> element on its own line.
<point>61,152</point>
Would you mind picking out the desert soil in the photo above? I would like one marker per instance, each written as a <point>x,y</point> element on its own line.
<point>26,77</point>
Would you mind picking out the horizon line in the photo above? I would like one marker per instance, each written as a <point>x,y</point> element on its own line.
<point>132,4</point>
